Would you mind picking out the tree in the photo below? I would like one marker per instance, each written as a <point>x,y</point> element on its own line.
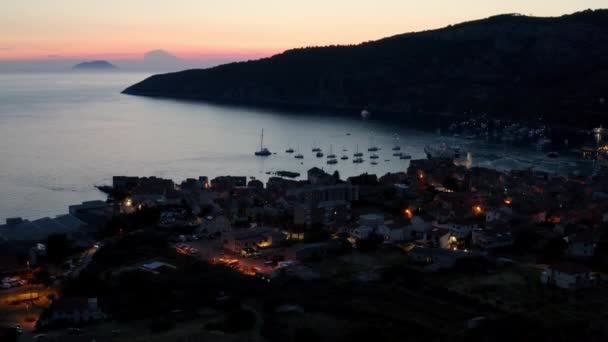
<point>57,247</point>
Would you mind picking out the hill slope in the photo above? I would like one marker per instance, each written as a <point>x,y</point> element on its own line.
<point>507,65</point>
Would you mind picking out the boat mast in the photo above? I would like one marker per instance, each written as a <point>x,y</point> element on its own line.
<point>262,140</point>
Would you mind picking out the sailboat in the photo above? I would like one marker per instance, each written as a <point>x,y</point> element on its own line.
<point>372,147</point>
<point>316,148</point>
<point>358,154</point>
<point>263,152</point>
<point>396,147</point>
<point>331,154</point>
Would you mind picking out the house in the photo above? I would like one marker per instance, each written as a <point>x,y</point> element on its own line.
<point>326,212</point>
<point>502,213</point>
<point>314,194</point>
<point>302,252</point>
<point>371,220</point>
<point>157,267</point>
<point>362,232</point>
<point>568,276</point>
<point>18,229</point>
<point>93,213</point>
<point>581,245</point>
<point>317,176</point>
<point>492,238</point>
<point>75,310</point>
<point>440,258</point>
<point>393,232</point>
<point>416,230</point>
<point>439,237</point>
<point>237,240</point>
<point>213,225</point>
<point>459,230</point>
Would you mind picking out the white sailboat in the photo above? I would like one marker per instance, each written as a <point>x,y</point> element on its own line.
<point>263,152</point>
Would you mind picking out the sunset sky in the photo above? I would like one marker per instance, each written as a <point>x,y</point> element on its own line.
<point>198,29</point>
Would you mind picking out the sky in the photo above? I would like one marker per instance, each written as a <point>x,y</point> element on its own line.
<point>200,29</point>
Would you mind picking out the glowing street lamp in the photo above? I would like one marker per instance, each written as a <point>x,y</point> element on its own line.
<point>408,213</point>
<point>477,210</point>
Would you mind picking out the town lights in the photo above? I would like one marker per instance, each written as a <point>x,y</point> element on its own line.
<point>477,210</point>
<point>408,213</point>
<point>508,200</point>
<point>128,202</point>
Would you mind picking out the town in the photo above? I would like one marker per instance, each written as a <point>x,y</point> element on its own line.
<point>441,248</point>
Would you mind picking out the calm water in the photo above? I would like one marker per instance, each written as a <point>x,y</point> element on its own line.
<point>63,133</point>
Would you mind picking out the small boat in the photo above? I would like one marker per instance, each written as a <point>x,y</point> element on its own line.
<point>319,154</point>
<point>263,152</point>
<point>358,154</point>
<point>358,160</point>
<point>397,154</point>
<point>374,163</point>
<point>299,155</point>
<point>344,157</point>
<point>397,148</point>
<point>552,154</point>
<point>405,156</point>
<point>374,156</point>
<point>331,154</point>
<point>332,161</point>
<point>373,149</point>
<point>348,133</point>
<point>387,160</point>
<point>289,150</point>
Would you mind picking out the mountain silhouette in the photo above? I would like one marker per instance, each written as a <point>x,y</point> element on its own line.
<point>506,66</point>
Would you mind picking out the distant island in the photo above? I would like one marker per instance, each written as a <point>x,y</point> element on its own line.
<point>509,65</point>
<point>95,65</point>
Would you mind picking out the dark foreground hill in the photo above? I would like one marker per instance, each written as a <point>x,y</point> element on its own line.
<point>508,65</point>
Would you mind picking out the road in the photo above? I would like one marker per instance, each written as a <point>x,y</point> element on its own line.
<point>211,251</point>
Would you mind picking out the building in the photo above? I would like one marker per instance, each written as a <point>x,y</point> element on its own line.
<point>439,237</point>
<point>568,276</point>
<point>371,220</point>
<point>458,230</point>
<point>94,213</point>
<point>326,213</point>
<point>302,252</point>
<point>416,230</point>
<point>317,176</point>
<point>492,238</point>
<point>317,194</point>
<point>75,310</point>
<point>581,245</point>
<point>18,229</point>
<point>238,240</point>
<point>439,258</point>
